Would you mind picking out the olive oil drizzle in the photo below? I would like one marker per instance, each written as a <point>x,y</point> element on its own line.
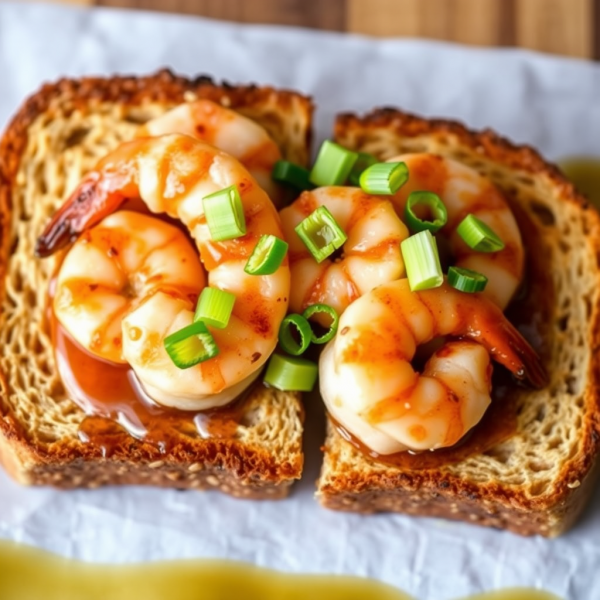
<point>584,172</point>
<point>30,573</point>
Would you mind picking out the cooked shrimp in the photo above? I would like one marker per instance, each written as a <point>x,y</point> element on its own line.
<point>171,174</point>
<point>112,267</point>
<point>370,256</point>
<point>464,191</point>
<point>370,387</point>
<point>227,130</point>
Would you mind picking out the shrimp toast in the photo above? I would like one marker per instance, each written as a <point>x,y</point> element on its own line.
<point>531,464</point>
<point>56,137</point>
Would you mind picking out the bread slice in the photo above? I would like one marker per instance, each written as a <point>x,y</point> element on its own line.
<point>58,135</point>
<point>538,476</point>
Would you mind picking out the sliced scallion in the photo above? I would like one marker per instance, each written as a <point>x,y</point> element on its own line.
<point>214,307</point>
<point>321,233</point>
<point>303,332</point>
<point>292,174</point>
<point>333,164</point>
<point>435,207</point>
<point>191,345</point>
<point>422,261</point>
<point>289,373</point>
<point>267,256</point>
<point>225,214</point>
<point>466,280</point>
<point>384,178</point>
<point>363,162</point>
<point>479,236</point>
<point>325,309</point>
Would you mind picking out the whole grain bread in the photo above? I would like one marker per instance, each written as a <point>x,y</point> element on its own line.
<point>59,134</point>
<point>538,479</point>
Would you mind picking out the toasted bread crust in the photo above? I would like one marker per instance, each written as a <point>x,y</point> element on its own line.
<point>237,466</point>
<point>353,481</point>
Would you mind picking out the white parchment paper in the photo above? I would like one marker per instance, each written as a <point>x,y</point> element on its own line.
<point>551,103</point>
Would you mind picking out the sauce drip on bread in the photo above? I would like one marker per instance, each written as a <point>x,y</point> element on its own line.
<point>116,407</point>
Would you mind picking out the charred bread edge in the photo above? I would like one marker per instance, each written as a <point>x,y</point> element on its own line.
<point>225,464</point>
<point>575,482</point>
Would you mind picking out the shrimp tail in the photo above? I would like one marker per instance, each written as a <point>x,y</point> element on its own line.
<point>508,347</point>
<point>529,366</point>
<point>86,207</point>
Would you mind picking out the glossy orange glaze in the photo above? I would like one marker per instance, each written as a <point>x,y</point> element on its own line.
<point>78,293</point>
<point>381,249</point>
<point>116,406</point>
<point>485,324</point>
<point>181,164</point>
<point>488,198</point>
<point>212,123</point>
<point>260,220</point>
<point>531,314</point>
<point>262,157</point>
<point>362,205</point>
<point>346,290</point>
<point>498,424</point>
<point>408,402</point>
<point>374,347</point>
<point>306,203</point>
<point>430,172</point>
<point>427,172</point>
<point>333,277</point>
<point>208,119</point>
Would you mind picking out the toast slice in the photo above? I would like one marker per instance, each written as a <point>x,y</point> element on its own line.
<point>537,476</point>
<point>58,134</point>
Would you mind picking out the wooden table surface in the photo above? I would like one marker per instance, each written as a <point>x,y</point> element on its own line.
<point>567,27</point>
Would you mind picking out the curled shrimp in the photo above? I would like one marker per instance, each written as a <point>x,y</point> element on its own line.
<point>227,130</point>
<point>371,388</point>
<point>464,191</point>
<point>370,256</point>
<point>171,174</point>
<point>112,267</point>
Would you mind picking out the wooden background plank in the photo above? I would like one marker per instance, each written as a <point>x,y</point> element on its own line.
<point>327,14</point>
<point>567,27</point>
<point>467,21</point>
<point>550,25</point>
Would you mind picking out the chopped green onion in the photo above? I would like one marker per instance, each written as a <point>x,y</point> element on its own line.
<point>384,178</point>
<point>479,236</point>
<point>363,162</point>
<point>422,261</point>
<point>466,280</point>
<point>225,214</point>
<point>335,320</point>
<point>288,373</point>
<point>435,207</point>
<point>267,256</point>
<point>214,307</point>
<point>292,174</point>
<point>333,164</point>
<point>321,234</point>
<point>191,345</point>
<point>286,338</point>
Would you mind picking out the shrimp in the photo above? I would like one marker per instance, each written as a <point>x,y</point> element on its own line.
<point>464,191</point>
<point>115,265</point>
<point>370,387</point>
<point>227,130</point>
<point>370,256</point>
<point>171,174</point>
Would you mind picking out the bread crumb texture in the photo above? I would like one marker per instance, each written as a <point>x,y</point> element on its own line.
<point>59,134</point>
<point>538,479</point>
